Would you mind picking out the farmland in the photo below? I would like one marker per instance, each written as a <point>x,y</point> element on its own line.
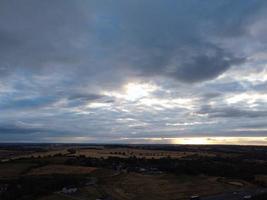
<point>165,186</point>
<point>139,153</point>
<point>130,173</point>
<point>61,169</point>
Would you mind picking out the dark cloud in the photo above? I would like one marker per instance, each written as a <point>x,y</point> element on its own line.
<point>80,99</point>
<point>88,97</point>
<point>28,103</point>
<point>9,40</point>
<point>204,66</point>
<point>261,87</point>
<point>232,112</point>
<point>211,95</point>
<point>255,125</point>
<point>161,38</point>
<point>13,129</point>
<point>230,86</point>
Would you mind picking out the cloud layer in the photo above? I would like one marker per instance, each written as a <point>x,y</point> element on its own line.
<point>124,71</point>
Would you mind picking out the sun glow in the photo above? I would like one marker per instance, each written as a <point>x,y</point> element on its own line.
<point>221,140</point>
<point>196,140</point>
<point>133,91</point>
<point>136,91</point>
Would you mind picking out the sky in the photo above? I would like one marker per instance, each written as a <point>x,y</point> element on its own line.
<point>133,71</point>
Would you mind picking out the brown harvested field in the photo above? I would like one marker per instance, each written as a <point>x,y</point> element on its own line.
<point>11,170</point>
<point>16,156</point>
<point>135,186</point>
<point>47,153</point>
<point>262,179</point>
<point>61,169</point>
<point>127,152</point>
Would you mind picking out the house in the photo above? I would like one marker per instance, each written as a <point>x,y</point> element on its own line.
<point>69,190</point>
<point>142,169</point>
<point>195,197</point>
<point>105,198</point>
<point>91,181</point>
<point>3,188</point>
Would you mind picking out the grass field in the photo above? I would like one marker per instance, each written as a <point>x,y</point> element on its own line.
<point>84,193</point>
<point>20,155</point>
<point>261,179</point>
<point>55,197</point>
<point>135,186</point>
<point>61,169</point>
